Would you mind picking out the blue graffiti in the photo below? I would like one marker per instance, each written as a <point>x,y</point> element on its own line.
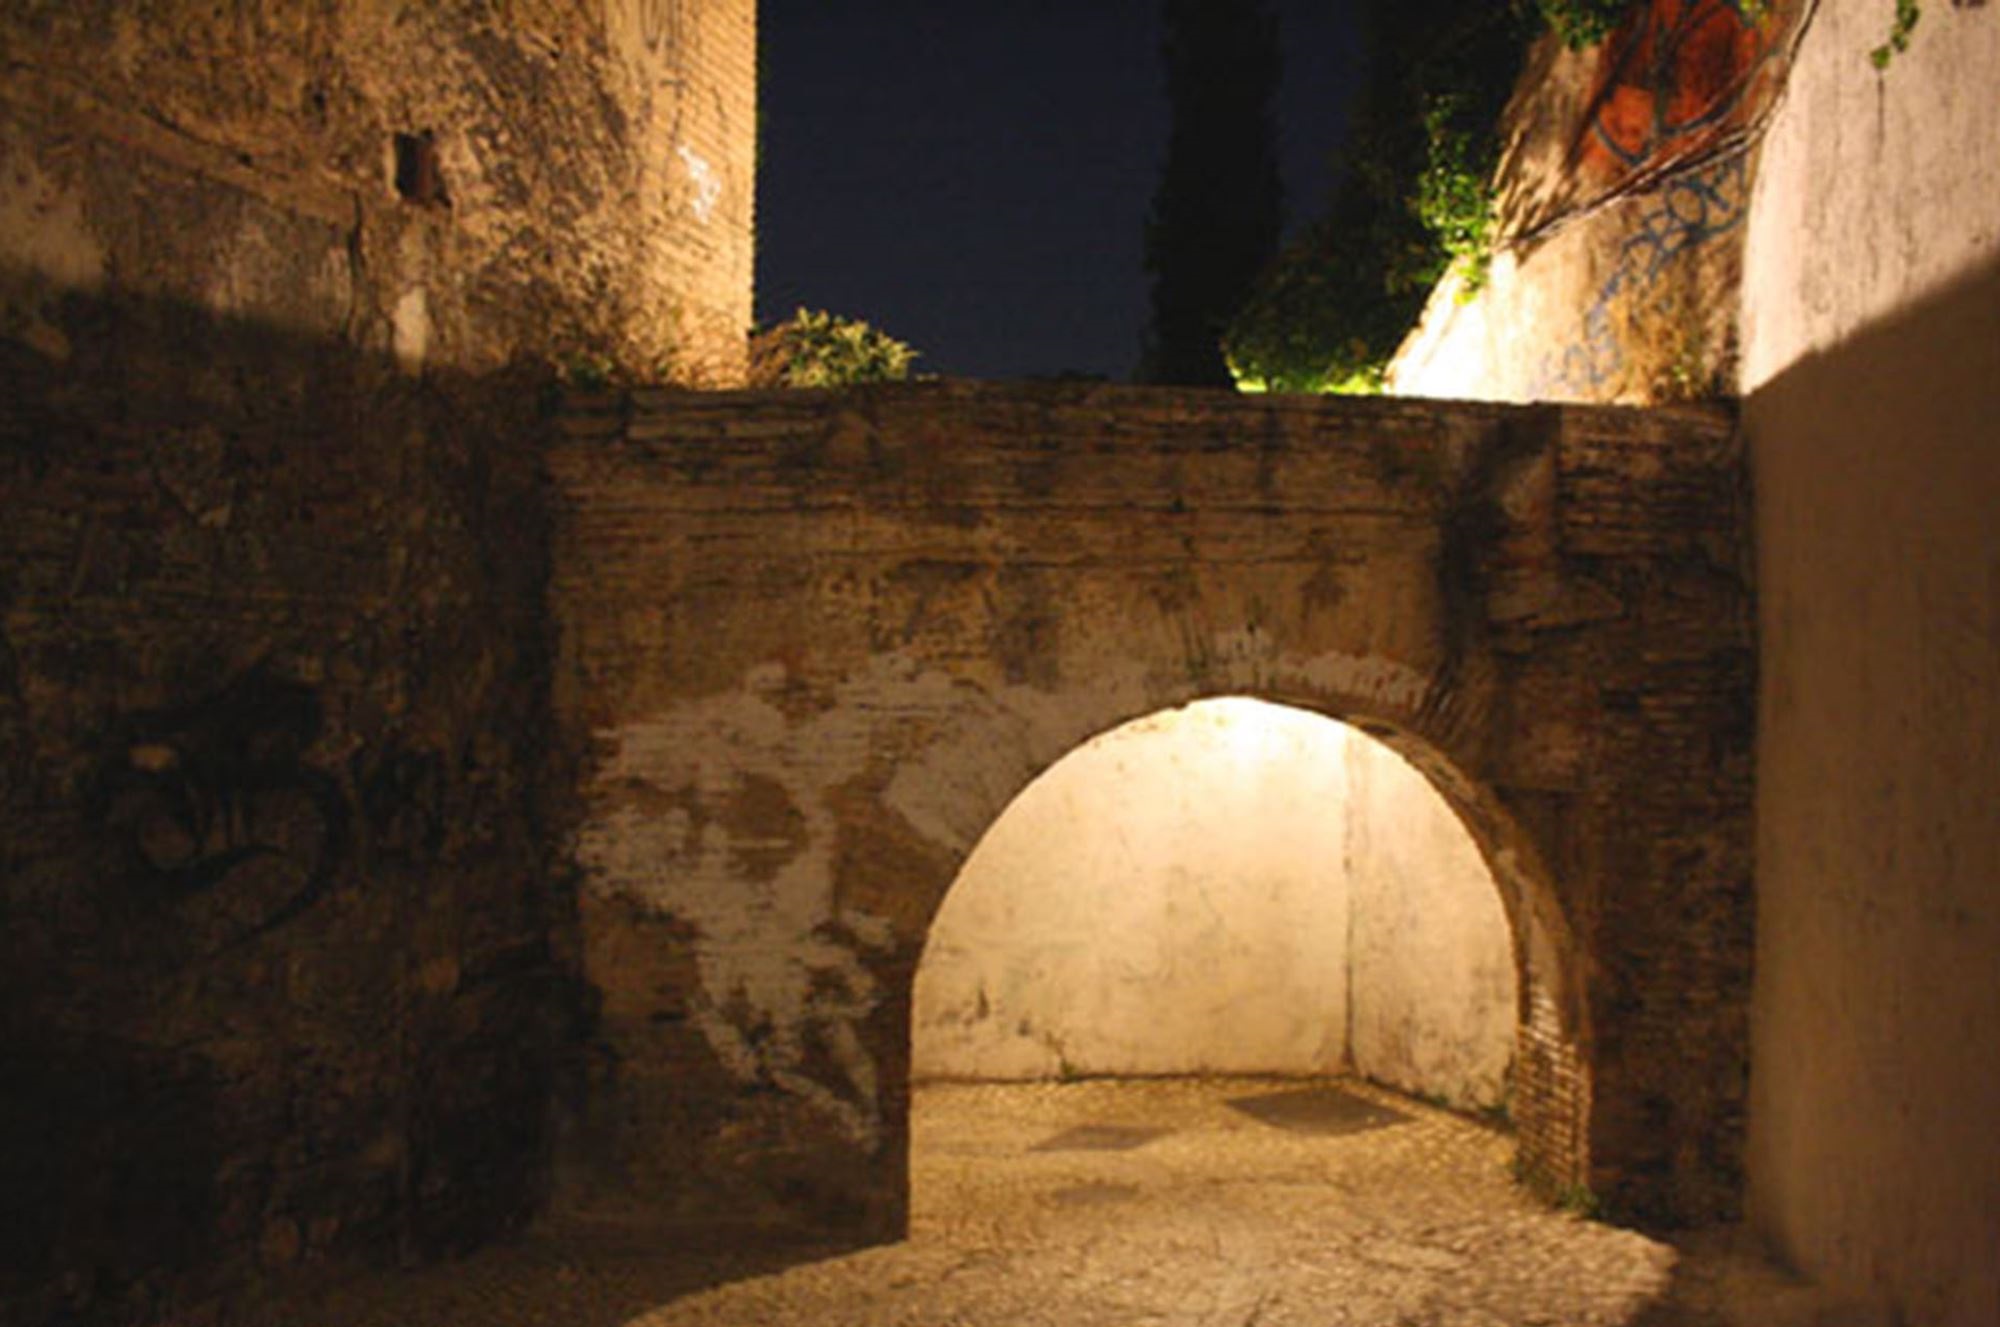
<point>1687,212</point>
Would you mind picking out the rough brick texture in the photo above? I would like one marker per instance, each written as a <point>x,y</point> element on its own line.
<point>276,979</point>
<point>282,972</point>
<point>563,181</point>
<point>813,644</point>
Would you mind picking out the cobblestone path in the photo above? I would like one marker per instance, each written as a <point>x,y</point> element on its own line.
<point>1097,1204</point>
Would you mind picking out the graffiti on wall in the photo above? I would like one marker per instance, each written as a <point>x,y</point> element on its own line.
<point>651,33</point>
<point>219,810</point>
<point>1675,223</point>
<point>660,24</point>
<point>215,802</point>
<point>707,186</point>
<point>1675,81</point>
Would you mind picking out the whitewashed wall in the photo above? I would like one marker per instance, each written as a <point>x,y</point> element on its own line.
<point>1871,313</point>
<point>1231,887</point>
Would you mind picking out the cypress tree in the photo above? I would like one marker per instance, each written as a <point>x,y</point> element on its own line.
<point>1216,215</point>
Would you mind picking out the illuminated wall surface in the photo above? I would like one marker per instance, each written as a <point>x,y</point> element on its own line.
<point>1229,887</point>
<point>1843,275</point>
<point>1623,203</point>
<point>572,185</point>
<point>1871,314</point>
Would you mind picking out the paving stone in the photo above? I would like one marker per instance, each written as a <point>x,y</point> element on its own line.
<point>1219,1219</point>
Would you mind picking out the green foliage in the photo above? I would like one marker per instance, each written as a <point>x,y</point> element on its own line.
<point>1579,1200</point>
<point>587,371</point>
<point>1581,23</point>
<point>1414,198</point>
<point>594,370</point>
<point>1575,1197</point>
<point>1324,320</point>
<point>1905,22</point>
<point>814,348</point>
<point>1454,198</point>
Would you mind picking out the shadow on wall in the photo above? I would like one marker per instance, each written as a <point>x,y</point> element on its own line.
<point>1230,887</point>
<point>282,976</point>
<point>1873,1162</point>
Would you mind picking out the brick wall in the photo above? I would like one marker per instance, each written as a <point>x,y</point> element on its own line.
<point>282,288</point>
<point>572,185</point>
<point>813,644</point>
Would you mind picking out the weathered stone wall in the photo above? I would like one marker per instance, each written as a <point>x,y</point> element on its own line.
<point>815,645</point>
<point>1177,896</point>
<point>276,980</point>
<point>1871,307</point>
<point>571,182</point>
<point>283,971</point>
<point>1858,249</point>
<point>1623,186</point>
<point>567,181</point>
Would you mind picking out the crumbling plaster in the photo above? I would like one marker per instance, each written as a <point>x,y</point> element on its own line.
<point>814,645</point>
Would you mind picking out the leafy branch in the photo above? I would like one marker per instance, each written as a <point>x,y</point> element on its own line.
<point>1905,22</point>
<point>814,348</point>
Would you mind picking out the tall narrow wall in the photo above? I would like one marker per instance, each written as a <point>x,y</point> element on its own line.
<point>283,973</point>
<point>570,183</point>
<point>1872,338</point>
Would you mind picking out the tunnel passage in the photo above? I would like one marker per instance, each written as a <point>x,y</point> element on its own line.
<point>1232,887</point>
<point>813,644</point>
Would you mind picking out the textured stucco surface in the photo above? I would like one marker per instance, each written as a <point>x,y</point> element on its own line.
<point>1432,974</point>
<point>1871,309</point>
<point>1178,896</point>
<point>1633,301</point>
<point>814,644</point>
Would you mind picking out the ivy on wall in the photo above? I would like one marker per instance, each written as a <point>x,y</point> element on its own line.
<point>1898,40</point>
<point>1581,23</point>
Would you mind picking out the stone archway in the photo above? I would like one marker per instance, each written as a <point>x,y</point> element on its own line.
<point>1228,888</point>
<point>814,644</point>
<point>988,754</point>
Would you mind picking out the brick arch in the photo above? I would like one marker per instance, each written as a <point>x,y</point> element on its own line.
<point>811,645</point>
<point>1551,1084</point>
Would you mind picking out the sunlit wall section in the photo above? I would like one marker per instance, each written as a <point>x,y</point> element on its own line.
<point>1193,893</point>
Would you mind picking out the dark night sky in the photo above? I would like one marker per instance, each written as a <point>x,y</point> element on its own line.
<point>973,176</point>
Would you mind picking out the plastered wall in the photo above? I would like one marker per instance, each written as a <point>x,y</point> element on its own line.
<point>1871,311</point>
<point>1620,200</point>
<point>1232,887</point>
<point>815,644</point>
<point>1431,964</point>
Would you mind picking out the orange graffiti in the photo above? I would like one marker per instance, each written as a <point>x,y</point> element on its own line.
<point>1675,79</point>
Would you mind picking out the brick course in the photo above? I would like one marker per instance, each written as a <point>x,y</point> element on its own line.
<point>814,643</point>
